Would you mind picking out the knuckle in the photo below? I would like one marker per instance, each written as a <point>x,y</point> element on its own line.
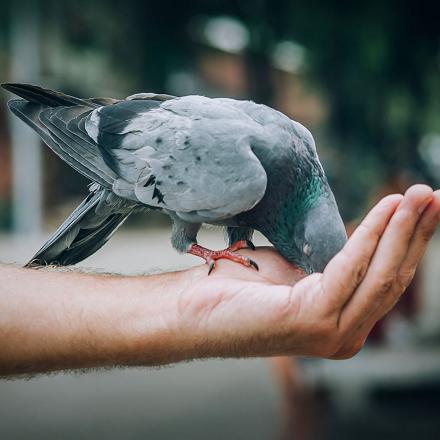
<point>383,285</point>
<point>360,271</point>
<point>355,268</point>
<point>426,234</point>
<point>386,285</point>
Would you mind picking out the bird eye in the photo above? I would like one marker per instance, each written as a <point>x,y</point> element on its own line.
<point>307,249</point>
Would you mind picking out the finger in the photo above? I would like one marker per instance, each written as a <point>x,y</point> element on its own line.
<point>424,231</point>
<point>374,292</point>
<point>347,269</point>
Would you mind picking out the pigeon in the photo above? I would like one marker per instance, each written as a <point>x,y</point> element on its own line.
<point>220,161</point>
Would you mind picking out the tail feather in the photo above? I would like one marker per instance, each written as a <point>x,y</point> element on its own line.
<point>89,241</point>
<point>51,115</point>
<point>94,168</point>
<point>75,239</point>
<point>38,95</point>
<point>82,156</point>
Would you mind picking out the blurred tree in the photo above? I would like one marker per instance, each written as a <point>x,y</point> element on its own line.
<point>376,63</point>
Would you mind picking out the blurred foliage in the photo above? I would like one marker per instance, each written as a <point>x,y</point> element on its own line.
<point>375,63</point>
<point>5,215</point>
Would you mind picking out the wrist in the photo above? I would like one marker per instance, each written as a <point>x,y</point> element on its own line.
<point>150,327</point>
<point>205,325</point>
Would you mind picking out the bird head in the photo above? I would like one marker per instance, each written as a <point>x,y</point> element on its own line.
<point>320,234</point>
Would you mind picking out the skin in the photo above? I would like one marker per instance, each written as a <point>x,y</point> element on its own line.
<point>56,321</point>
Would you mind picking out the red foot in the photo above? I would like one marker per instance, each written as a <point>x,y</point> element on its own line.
<point>242,244</point>
<point>229,254</point>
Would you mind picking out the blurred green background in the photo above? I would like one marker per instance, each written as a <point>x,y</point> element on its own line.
<point>363,76</point>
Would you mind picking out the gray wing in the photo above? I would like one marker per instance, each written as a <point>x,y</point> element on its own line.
<point>190,155</point>
<point>59,119</point>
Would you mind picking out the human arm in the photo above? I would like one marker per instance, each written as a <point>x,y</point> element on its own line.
<point>53,321</point>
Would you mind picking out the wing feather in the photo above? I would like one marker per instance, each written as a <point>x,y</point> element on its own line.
<point>75,153</point>
<point>196,164</point>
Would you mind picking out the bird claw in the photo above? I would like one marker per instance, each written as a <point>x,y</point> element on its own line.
<point>241,244</point>
<point>227,254</point>
<point>250,245</point>
<point>211,266</point>
<point>254,264</point>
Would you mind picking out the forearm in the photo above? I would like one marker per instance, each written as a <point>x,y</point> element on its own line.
<point>53,321</point>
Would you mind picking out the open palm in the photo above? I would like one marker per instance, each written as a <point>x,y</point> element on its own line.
<point>280,311</point>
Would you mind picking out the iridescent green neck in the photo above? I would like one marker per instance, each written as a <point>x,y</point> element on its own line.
<point>289,211</point>
<point>288,220</point>
<point>306,197</point>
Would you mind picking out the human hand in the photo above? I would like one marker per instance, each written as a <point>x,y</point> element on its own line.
<point>279,311</point>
